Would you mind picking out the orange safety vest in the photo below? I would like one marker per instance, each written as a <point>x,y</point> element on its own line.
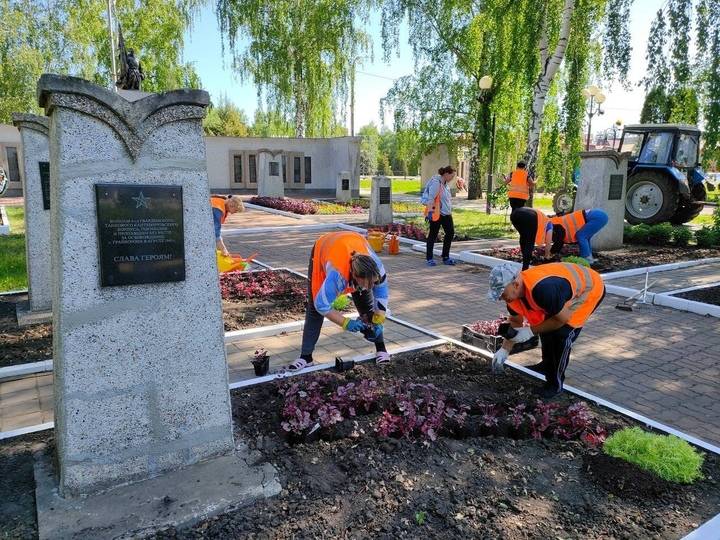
<point>542,221</point>
<point>336,248</point>
<point>572,223</point>
<point>587,291</point>
<point>436,205</point>
<point>519,188</point>
<point>216,201</point>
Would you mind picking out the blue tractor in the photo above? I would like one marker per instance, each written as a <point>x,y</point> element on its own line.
<point>664,179</point>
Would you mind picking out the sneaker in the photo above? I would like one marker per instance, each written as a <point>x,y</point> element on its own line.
<point>548,392</point>
<point>431,262</point>
<point>449,261</point>
<point>299,364</point>
<point>537,368</point>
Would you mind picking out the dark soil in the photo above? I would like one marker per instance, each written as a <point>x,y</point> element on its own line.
<point>711,295</point>
<point>253,313</point>
<point>625,479</point>
<point>354,484</point>
<point>21,345</point>
<point>626,257</point>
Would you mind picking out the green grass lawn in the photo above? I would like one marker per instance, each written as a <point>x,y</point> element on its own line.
<point>477,225</point>
<point>410,186</point>
<point>12,252</point>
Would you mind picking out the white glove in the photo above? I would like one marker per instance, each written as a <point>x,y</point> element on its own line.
<point>498,361</point>
<point>523,335</point>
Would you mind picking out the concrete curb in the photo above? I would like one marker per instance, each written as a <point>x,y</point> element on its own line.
<point>5,227</point>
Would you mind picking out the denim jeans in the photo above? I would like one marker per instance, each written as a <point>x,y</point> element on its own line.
<point>595,220</point>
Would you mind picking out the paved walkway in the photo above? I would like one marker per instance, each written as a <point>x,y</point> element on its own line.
<point>673,280</point>
<point>661,362</point>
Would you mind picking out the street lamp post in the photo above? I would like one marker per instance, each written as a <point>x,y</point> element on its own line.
<point>485,84</point>
<point>596,97</point>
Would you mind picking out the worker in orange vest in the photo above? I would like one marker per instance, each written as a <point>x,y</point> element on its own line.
<point>579,226</point>
<point>222,206</point>
<point>340,263</point>
<point>519,185</point>
<point>535,228</point>
<point>555,300</point>
<point>437,199</point>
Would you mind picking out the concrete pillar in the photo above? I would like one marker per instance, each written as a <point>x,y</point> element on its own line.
<point>343,190</point>
<point>381,212</point>
<point>36,190</point>
<point>602,184</point>
<point>141,381</point>
<point>270,174</point>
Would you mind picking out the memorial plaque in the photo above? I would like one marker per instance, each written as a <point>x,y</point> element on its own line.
<point>140,232</point>
<point>274,168</point>
<point>616,187</point>
<point>345,184</point>
<point>45,183</point>
<point>384,195</point>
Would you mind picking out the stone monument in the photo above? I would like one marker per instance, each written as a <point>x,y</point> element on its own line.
<point>603,179</point>
<point>36,190</point>
<point>141,381</point>
<point>270,174</point>
<point>381,212</point>
<point>343,190</point>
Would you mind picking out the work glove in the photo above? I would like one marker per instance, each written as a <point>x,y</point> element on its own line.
<point>378,318</point>
<point>353,325</point>
<point>373,333</point>
<point>498,361</point>
<point>523,334</point>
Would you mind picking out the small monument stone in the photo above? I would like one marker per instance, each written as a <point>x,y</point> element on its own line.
<point>36,190</point>
<point>603,179</point>
<point>381,212</point>
<point>270,178</point>
<point>343,191</point>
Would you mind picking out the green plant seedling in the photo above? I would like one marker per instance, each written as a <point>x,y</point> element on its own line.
<point>341,303</point>
<point>420,517</point>
<point>576,260</point>
<point>670,457</point>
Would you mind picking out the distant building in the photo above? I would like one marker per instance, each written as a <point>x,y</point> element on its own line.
<point>308,165</point>
<point>440,156</point>
<point>10,156</point>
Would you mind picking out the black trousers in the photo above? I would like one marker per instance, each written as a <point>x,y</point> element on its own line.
<point>516,203</point>
<point>556,347</point>
<point>525,222</point>
<point>364,302</point>
<point>448,227</point>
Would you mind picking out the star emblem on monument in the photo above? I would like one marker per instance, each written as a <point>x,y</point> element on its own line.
<point>141,201</point>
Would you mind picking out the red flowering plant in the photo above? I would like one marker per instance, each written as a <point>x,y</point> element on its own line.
<point>296,206</point>
<point>240,286</point>
<point>406,230</point>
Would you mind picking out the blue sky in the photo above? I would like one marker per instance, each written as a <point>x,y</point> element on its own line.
<point>203,48</point>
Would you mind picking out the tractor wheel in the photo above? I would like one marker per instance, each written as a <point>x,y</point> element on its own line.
<point>689,210</point>
<point>651,198</point>
<point>563,202</point>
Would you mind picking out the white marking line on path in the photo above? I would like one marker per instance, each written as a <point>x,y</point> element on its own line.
<point>710,530</point>
<point>658,268</point>
<point>26,430</point>
<point>275,211</point>
<point>21,370</point>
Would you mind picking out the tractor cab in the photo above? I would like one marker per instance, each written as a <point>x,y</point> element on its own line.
<point>665,182</point>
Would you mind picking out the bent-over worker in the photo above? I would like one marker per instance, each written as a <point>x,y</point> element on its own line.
<point>535,228</point>
<point>556,300</point>
<point>221,207</point>
<point>579,226</point>
<point>340,263</point>
<point>519,185</point>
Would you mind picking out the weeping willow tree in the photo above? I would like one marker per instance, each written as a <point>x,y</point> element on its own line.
<point>708,64</point>
<point>458,46</point>
<point>298,53</point>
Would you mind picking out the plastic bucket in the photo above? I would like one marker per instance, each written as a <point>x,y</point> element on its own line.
<point>228,264</point>
<point>376,241</point>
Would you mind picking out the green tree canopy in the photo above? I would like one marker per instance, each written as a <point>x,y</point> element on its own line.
<point>226,119</point>
<point>299,54</point>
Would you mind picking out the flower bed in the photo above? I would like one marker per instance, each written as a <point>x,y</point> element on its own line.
<point>709,295</point>
<point>25,344</point>
<point>305,207</point>
<point>487,335</point>
<point>620,259</point>
<point>398,468</point>
<point>261,298</point>
<point>405,230</point>
<point>296,206</point>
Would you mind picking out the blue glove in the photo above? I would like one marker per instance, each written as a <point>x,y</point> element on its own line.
<point>353,325</point>
<point>373,333</point>
<point>427,218</point>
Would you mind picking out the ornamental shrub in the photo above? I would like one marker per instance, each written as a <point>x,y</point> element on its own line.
<point>660,234</point>
<point>628,234</point>
<point>681,236</point>
<point>706,237</point>
<point>576,260</point>
<point>639,234</point>
<point>670,457</point>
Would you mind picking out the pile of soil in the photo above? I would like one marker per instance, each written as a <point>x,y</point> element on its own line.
<point>21,345</point>
<point>626,257</point>
<point>353,483</point>
<point>710,295</point>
